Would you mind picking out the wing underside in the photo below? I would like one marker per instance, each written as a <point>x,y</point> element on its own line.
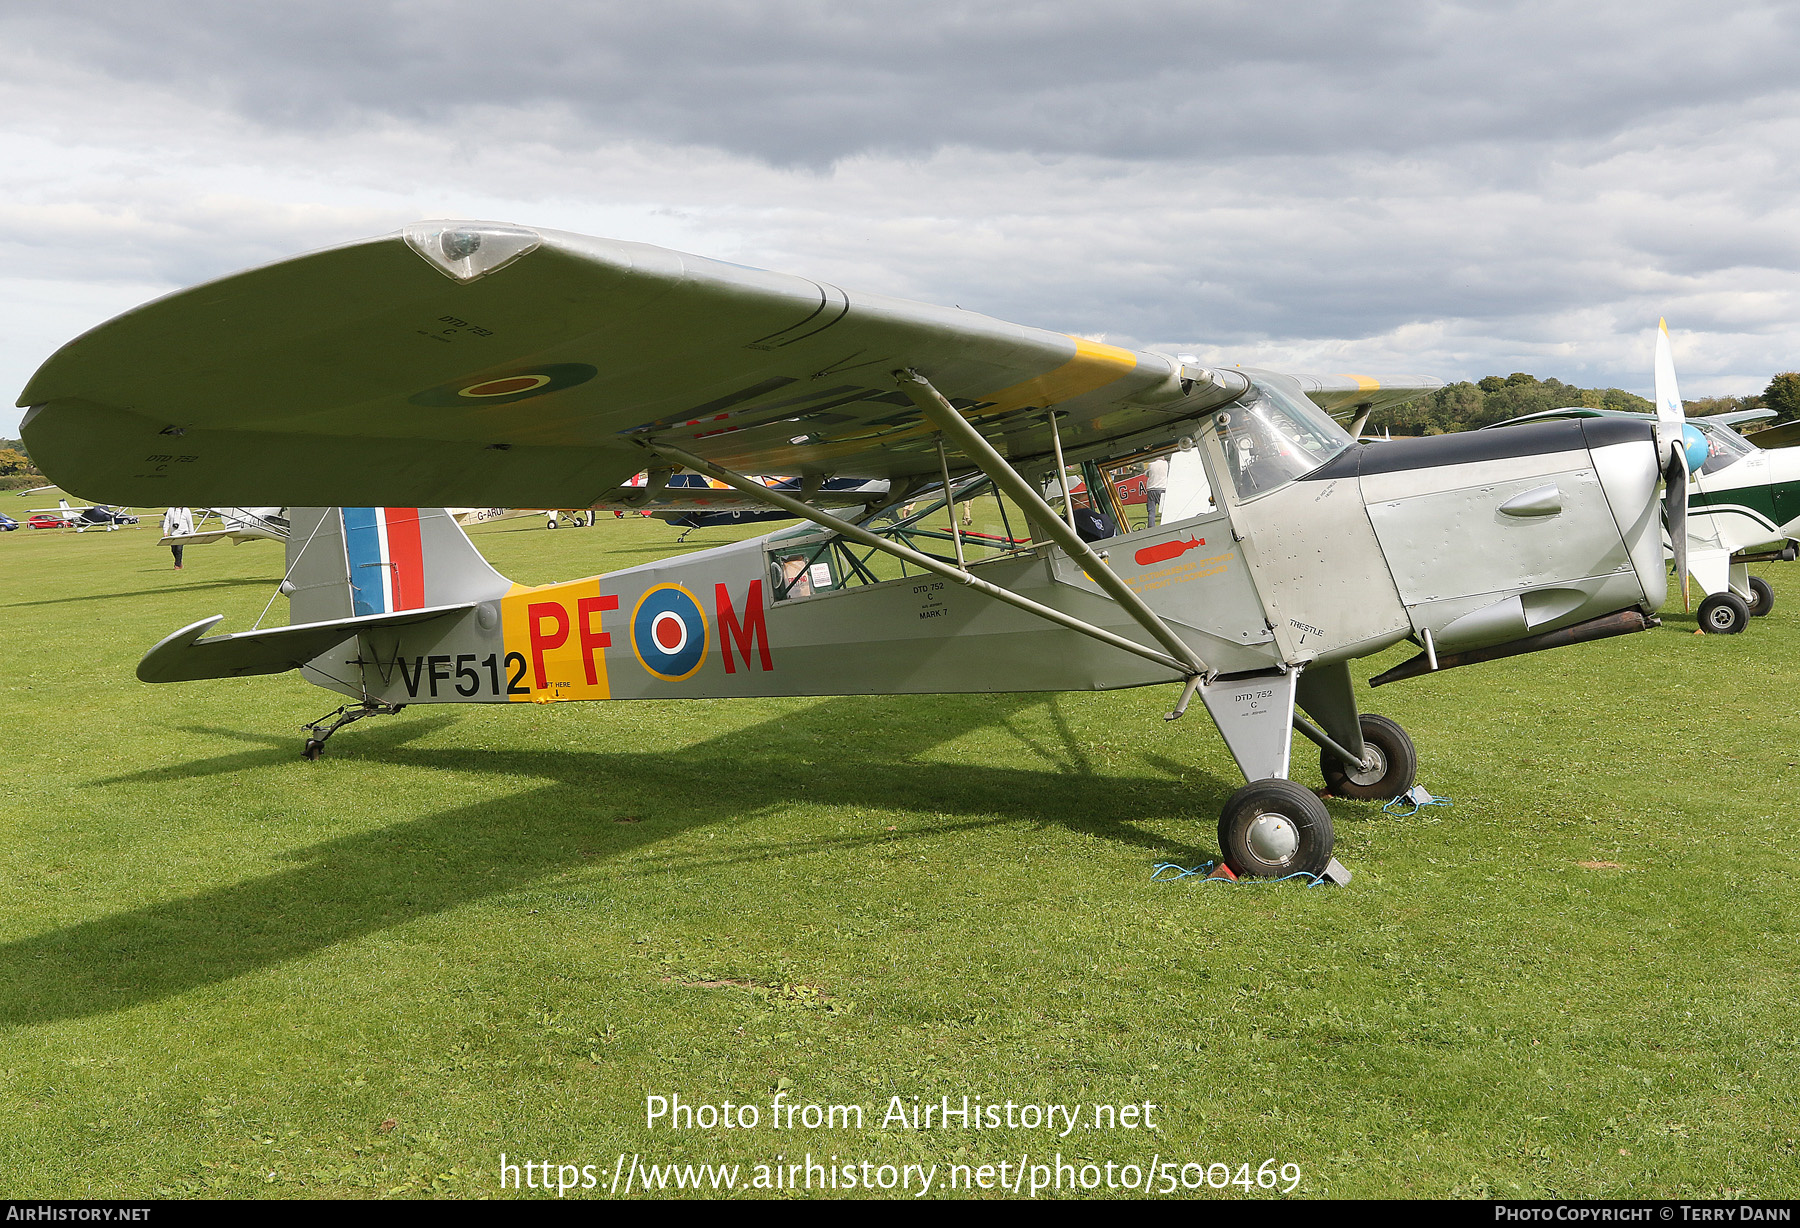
<point>404,371</point>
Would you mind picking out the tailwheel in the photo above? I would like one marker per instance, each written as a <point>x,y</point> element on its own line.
<point>1762,597</point>
<point>1274,828</point>
<point>331,722</point>
<point>1724,613</point>
<point>1388,767</point>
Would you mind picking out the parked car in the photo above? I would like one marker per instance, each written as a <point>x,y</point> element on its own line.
<point>46,520</point>
<point>7,523</point>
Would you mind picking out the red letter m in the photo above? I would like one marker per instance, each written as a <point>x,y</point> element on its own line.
<point>751,632</point>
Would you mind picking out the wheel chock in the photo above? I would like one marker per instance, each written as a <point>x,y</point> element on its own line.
<point>1224,871</point>
<point>1336,874</point>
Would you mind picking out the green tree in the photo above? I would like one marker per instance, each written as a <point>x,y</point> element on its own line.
<point>1783,396</point>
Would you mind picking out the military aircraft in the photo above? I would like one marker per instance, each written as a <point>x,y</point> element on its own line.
<point>1743,501</point>
<point>493,363</point>
<point>692,501</point>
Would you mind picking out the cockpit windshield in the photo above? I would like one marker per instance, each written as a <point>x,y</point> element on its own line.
<point>1272,436</point>
<point>1724,446</point>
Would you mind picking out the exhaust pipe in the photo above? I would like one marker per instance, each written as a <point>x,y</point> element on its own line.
<point>1619,622</point>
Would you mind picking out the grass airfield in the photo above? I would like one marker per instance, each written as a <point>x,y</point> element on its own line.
<point>226,971</point>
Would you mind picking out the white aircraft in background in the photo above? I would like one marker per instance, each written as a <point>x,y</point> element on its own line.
<point>235,525</point>
<point>252,524</point>
<point>81,519</point>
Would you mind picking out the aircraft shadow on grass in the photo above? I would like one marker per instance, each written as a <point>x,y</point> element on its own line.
<point>361,884</point>
<point>202,587</point>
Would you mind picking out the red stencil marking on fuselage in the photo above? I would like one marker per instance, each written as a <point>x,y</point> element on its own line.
<point>1162,552</point>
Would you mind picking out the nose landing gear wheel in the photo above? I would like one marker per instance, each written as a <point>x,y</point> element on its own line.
<point>1387,770</point>
<point>1724,614</point>
<point>1273,828</point>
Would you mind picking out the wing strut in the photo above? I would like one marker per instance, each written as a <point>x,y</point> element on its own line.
<point>943,415</point>
<point>856,533</point>
<point>950,506</point>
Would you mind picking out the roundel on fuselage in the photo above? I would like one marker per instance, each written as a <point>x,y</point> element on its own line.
<point>669,633</point>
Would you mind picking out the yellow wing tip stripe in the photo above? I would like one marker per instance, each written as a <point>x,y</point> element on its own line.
<point>1364,383</point>
<point>1099,351</point>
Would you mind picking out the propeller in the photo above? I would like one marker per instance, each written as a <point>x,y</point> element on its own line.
<point>1679,449</point>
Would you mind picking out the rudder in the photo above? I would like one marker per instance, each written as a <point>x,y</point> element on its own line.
<point>343,562</point>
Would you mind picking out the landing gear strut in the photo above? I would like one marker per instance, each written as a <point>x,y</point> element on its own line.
<point>325,726</point>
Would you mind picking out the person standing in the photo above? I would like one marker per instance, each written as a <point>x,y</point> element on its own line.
<point>178,522</point>
<point>1156,481</point>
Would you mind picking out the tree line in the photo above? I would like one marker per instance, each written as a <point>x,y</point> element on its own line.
<point>16,469</point>
<point>1465,406</point>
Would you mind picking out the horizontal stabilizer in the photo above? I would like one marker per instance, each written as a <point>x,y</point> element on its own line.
<point>1786,435</point>
<point>187,657</point>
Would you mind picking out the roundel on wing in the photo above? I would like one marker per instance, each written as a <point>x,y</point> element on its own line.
<point>668,632</point>
<point>505,387</point>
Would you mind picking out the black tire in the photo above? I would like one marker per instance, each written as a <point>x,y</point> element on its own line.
<point>1724,614</point>
<point>1274,828</point>
<point>313,749</point>
<point>1392,763</point>
<point>1762,597</point>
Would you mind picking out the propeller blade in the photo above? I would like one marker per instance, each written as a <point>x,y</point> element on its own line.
<point>1675,516</point>
<point>1672,451</point>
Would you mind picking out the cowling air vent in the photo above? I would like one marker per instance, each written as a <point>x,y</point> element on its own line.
<point>468,250</point>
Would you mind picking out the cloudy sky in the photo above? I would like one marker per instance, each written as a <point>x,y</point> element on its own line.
<point>1402,185</point>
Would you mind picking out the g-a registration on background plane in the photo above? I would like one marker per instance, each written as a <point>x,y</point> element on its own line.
<point>367,386</point>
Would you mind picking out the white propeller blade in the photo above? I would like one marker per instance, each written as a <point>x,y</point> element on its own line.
<point>1671,448</point>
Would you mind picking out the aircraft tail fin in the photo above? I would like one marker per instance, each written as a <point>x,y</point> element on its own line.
<point>350,562</point>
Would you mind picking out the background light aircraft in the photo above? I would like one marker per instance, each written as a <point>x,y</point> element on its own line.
<point>249,524</point>
<point>693,501</point>
<point>495,363</point>
<point>1743,501</point>
<point>235,525</point>
<point>81,519</point>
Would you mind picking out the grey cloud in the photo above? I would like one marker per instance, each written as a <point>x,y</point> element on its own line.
<point>798,83</point>
<point>1453,189</point>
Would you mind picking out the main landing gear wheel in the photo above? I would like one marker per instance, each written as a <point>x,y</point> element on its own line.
<point>1274,828</point>
<point>1388,766</point>
<point>1724,614</point>
<point>1762,597</point>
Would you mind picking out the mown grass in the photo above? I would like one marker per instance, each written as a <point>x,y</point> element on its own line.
<point>228,971</point>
